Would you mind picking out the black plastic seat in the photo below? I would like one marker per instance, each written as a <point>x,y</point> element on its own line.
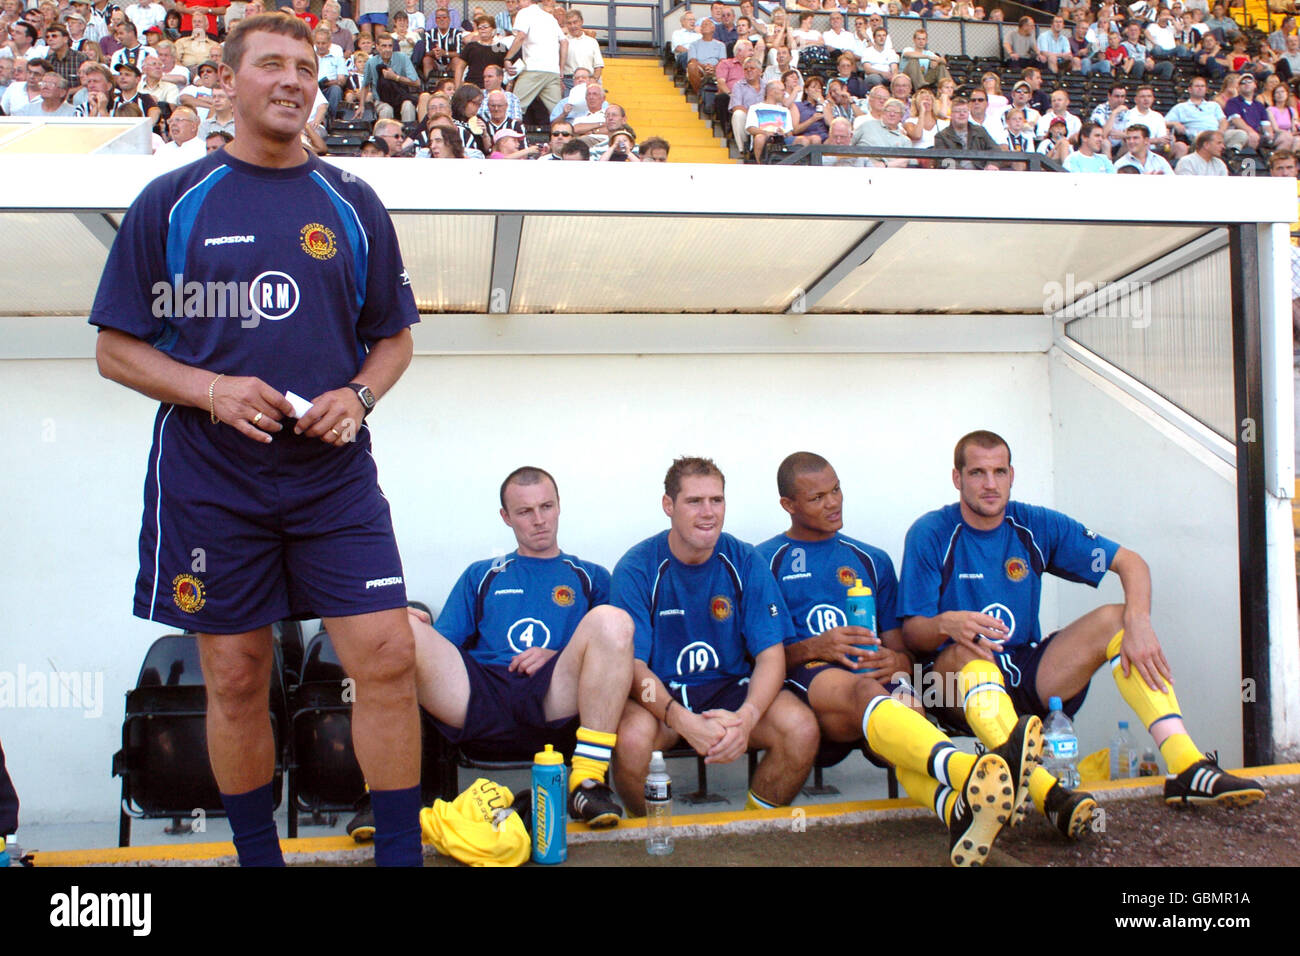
<point>163,762</point>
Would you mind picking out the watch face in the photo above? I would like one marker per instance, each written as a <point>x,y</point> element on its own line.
<point>367,397</point>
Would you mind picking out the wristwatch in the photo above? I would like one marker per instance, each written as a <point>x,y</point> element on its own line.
<point>367,397</point>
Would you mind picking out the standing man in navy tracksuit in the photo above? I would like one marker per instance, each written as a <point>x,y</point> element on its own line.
<point>252,273</point>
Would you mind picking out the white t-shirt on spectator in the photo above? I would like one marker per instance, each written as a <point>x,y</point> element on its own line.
<point>769,117</point>
<point>541,47</point>
<point>584,51</point>
<point>145,15</point>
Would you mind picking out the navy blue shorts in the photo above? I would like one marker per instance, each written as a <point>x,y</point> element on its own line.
<point>506,716</point>
<point>727,693</point>
<point>1019,668</point>
<point>237,535</point>
<point>799,678</point>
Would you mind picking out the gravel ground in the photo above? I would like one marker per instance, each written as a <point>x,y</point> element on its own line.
<point>1140,832</point>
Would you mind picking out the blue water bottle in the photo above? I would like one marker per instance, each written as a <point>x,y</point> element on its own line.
<point>860,607</point>
<point>550,807</point>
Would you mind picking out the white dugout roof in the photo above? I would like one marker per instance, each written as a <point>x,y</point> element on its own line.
<point>599,319</point>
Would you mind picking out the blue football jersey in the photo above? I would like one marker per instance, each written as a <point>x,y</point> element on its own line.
<point>285,274</point>
<point>699,623</point>
<point>950,566</point>
<point>504,606</point>
<point>814,578</point>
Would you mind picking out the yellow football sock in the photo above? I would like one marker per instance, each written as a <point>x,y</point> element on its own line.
<point>591,756</point>
<point>1040,782</point>
<point>986,703</point>
<point>1152,706</point>
<point>907,740</point>
<point>754,802</point>
<point>928,792</point>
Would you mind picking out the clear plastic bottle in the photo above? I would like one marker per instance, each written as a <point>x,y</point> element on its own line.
<point>658,807</point>
<point>1060,746</point>
<point>1123,757</point>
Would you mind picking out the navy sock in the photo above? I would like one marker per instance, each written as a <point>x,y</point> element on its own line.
<point>252,822</point>
<point>397,827</point>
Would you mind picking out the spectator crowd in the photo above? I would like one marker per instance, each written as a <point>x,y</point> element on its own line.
<point>424,81</point>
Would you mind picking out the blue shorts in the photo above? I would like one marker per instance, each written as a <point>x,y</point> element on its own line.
<point>381,19</point>
<point>1019,668</point>
<point>799,679</point>
<point>726,693</point>
<point>506,716</point>
<point>237,535</point>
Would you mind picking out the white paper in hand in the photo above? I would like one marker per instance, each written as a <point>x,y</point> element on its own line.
<point>300,404</point>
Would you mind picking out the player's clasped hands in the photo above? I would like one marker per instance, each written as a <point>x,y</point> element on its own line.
<point>980,633</point>
<point>735,739</point>
<point>249,405</point>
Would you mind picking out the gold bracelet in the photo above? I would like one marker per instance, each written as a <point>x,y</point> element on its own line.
<point>212,404</point>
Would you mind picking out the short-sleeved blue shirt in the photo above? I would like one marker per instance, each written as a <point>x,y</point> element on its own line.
<point>503,606</point>
<point>284,274</point>
<point>814,578</point>
<point>697,623</point>
<point>950,566</point>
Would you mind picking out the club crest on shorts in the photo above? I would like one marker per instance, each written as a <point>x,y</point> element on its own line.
<point>1017,570</point>
<point>847,576</point>
<point>187,592</point>
<point>562,595</point>
<point>720,607</point>
<point>318,241</point>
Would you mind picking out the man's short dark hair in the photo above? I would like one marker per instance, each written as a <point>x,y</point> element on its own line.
<point>527,475</point>
<point>1204,137</point>
<point>655,142</point>
<point>980,439</point>
<point>1138,128</point>
<point>1086,129</point>
<point>47,66</point>
<point>226,137</point>
<point>576,147</point>
<point>561,122</point>
<point>687,467</point>
<point>24,25</point>
<point>800,463</point>
<point>232,51</point>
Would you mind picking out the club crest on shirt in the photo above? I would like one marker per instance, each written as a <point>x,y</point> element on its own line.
<point>562,595</point>
<point>187,592</point>
<point>318,241</point>
<point>847,576</point>
<point>720,607</point>
<point>1017,570</point>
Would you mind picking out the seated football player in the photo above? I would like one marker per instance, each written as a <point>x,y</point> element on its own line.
<point>527,651</point>
<point>969,599</point>
<point>710,624</point>
<point>855,680</point>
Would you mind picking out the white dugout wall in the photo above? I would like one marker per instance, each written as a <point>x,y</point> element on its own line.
<point>821,352</point>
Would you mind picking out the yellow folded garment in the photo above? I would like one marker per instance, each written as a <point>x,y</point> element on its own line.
<point>477,827</point>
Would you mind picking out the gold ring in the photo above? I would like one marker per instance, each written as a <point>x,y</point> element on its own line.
<point>337,432</point>
<point>257,418</point>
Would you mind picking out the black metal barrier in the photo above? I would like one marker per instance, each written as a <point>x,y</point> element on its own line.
<point>939,158</point>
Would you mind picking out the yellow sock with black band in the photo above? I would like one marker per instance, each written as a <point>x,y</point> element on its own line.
<point>928,792</point>
<point>1151,707</point>
<point>591,756</point>
<point>900,735</point>
<point>1040,784</point>
<point>986,703</point>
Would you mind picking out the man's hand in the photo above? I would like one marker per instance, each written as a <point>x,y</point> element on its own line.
<point>531,660</point>
<point>702,733</point>
<point>1142,650</point>
<point>418,616</point>
<point>982,634</point>
<point>838,645</point>
<point>238,400</point>
<point>334,417</point>
<point>883,663</point>
<point>735,741</point>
